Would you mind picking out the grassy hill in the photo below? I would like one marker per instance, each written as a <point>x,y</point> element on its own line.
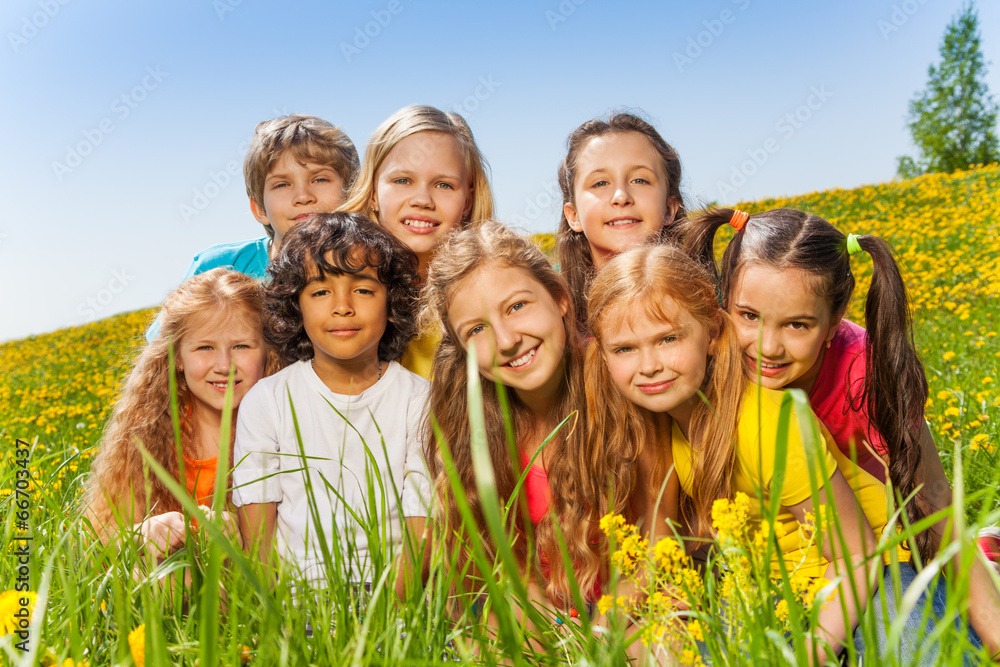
<point>57,389</point>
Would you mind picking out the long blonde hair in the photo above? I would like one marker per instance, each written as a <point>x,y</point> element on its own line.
<point>646,281</point>
<point>142,413</point>
<point>461,256</point>
<point>408,121</point>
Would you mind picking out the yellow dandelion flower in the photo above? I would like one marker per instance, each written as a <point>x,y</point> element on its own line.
<point>605,604</point>
<point>137,645</point>
<point>948,356</point>
<point>15,607</point>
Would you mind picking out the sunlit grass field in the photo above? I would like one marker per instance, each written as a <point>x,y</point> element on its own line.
<point>57,391</point>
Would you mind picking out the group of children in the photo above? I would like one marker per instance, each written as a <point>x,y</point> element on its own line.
<point>642,378</point>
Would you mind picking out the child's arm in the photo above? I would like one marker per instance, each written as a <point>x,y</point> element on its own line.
<point>414,559</point>
<point>256,475</point>
<point>847,559</point>
<point>935,495</point>
<point>257,524</point>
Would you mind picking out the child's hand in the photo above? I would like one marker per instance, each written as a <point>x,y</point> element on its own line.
<point>163,534</point>
<point>230,527</point>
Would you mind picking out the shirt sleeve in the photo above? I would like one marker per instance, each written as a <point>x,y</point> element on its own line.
<point>256,451</point>
<point>416,484</point>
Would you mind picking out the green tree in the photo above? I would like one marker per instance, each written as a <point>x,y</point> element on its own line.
<point>954,120</point>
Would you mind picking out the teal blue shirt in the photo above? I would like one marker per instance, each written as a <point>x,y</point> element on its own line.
<point>249,257</point>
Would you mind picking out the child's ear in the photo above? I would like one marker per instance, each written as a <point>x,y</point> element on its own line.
<point>259,212</point>
<point>834,325</point>
<point>563,306</point>
<point>569,210</point>
<point>673,204</point>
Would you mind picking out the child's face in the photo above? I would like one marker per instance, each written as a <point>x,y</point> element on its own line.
<point>518,329</point>
<point>619,194</point>
<point>657,364</point>
<point>209,348</point>
<point>295,191</point>
<point>423,190</point>
<point>780,319</point>
<point>344,316</point>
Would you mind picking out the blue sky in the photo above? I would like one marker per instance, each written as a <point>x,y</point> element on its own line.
<point>124,119</point>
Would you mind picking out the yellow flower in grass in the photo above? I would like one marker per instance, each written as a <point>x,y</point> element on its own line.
<point>12,610</point>
<point>729,517</point>
<point>781,610</point>
<point>948,356</point>
<point>605,604</point>
<point>695,630</point>
<point>137,645</point>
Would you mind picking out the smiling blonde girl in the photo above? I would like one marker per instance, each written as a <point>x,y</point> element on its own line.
<point>423,177</point>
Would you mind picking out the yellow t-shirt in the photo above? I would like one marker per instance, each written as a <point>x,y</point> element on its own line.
<point>419,355</point>
<point>757,436</point>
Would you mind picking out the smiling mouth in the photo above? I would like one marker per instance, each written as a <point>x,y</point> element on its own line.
<point>767,367</point>
<point>656,387</point>
<point>304,216</point>
<point>622,222</point>
<point>523,360</point>
<point>420,226</point>
<point>222,385</point>
<point>343,332</point>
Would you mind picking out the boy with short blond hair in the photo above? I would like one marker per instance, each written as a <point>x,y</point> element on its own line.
<point>297,166</point>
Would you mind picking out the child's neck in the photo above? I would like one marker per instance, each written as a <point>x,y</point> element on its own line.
<point>206,428</point>
<point>682,415</point>
<point>349,377</point>
<point>275,248</point>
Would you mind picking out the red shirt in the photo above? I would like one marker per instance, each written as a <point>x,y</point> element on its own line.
<point>841,377</point>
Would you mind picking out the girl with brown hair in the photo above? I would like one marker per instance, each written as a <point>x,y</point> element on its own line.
<point>620,183</point>
<point>786,280</point>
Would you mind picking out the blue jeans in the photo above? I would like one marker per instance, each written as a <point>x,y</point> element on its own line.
<point>916,646</point>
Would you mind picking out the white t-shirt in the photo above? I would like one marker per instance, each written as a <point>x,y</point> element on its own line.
<point>392,410</point>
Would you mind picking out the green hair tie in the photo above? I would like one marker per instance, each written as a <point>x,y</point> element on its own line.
<point>852,244</point>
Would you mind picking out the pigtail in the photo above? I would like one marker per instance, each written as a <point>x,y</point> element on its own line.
<point>895,389</point>
<point>697,234</point>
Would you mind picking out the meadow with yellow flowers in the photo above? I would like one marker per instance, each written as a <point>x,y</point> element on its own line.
<point>98,605</point>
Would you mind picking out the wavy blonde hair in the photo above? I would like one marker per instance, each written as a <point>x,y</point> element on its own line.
<point>408,121</point>
<point>462,255</point>
<point>646,282</point>
<point>116,487</point>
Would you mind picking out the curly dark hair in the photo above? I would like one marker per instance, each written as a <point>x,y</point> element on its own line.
<point>339,243</point>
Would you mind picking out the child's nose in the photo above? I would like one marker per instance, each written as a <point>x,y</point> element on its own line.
<point>771,344</point>
<point>649,362</point>
<point>343,305</point>
<point>304,194</point>
<point>421,196</point>
<point>507,338</point>
<point>222,361</point>
<point>622,195</point>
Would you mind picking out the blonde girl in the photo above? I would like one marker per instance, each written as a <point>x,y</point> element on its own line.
<point>786,280</point>
<point>661,341</point>
<point>491,286</point>
<point>620,183</point>
<point>213,322</point>
<point>423,177</point>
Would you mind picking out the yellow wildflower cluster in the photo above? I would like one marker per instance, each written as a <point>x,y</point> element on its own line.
<point>11,611</point>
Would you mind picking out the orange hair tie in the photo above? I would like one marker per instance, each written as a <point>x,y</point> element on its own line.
<point>739,219</point>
